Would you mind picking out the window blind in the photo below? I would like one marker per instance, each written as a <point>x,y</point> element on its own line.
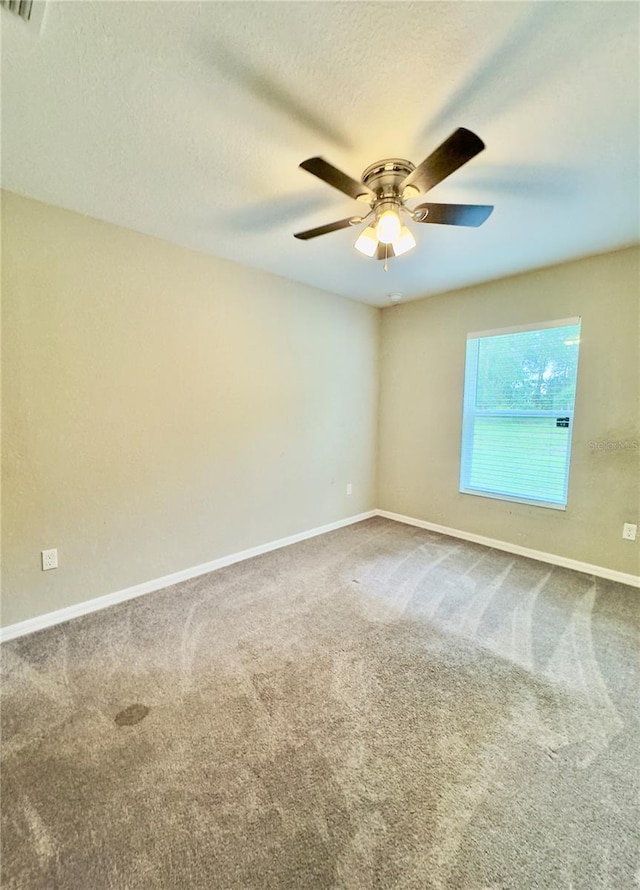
<point>519,396</point>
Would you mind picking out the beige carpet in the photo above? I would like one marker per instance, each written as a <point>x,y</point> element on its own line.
<point>380,707</point>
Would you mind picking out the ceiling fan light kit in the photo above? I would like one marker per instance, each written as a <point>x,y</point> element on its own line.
<point>388,223</point>
<point>404,242</point>
<point>388,184</point>
<point>367,241</point>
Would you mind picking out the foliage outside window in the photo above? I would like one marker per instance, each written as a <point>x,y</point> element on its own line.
<point>519,396</point>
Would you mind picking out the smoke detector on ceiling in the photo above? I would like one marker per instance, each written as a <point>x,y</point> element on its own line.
<point>30,11</point>
<point>395,298</point>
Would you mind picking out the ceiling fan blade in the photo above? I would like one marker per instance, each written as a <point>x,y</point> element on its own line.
<point>453,214</point>
<point>339,180</point>
<point>455,151</point>
<point>385,251</point>
<point>330,227</point>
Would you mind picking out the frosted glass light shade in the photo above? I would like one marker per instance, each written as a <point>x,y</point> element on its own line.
<point>388,227</point>
<point>367,242</point>
<point>404,242</point>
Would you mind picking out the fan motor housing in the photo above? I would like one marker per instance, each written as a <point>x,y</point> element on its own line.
<point>385,177</point>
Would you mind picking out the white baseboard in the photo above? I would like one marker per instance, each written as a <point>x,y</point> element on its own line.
<point>540,555</point>
<point>120,596</point>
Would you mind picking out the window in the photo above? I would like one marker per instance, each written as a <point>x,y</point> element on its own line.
<point>519,392</point>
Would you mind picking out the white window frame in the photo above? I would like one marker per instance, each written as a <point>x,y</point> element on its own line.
<point>470,412</point>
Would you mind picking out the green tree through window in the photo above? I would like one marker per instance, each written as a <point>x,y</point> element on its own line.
<point>518,407</point>
<point>529,370</point>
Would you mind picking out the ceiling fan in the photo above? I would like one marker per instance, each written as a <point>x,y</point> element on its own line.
<point>388,184</point>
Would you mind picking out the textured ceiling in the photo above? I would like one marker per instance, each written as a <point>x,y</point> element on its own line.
<point>188,121</point>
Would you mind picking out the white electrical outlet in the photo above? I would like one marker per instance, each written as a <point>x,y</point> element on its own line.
<point>349,488</point>
<point>629,531</point>
<point>49,560</point>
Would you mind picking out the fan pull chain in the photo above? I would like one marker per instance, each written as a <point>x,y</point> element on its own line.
<point>386,258</point>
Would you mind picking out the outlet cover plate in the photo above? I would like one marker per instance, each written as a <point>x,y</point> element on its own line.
<point>49,560</point>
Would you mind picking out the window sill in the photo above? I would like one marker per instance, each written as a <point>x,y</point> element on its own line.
<point>515,500</point>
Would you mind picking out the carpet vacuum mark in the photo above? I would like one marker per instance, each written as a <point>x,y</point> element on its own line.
<point>381,707</point>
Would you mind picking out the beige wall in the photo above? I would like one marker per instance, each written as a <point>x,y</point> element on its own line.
<point>422,375</point>
<point>162,408</point>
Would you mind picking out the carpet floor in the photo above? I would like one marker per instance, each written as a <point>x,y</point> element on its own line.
<point>380,707</point>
